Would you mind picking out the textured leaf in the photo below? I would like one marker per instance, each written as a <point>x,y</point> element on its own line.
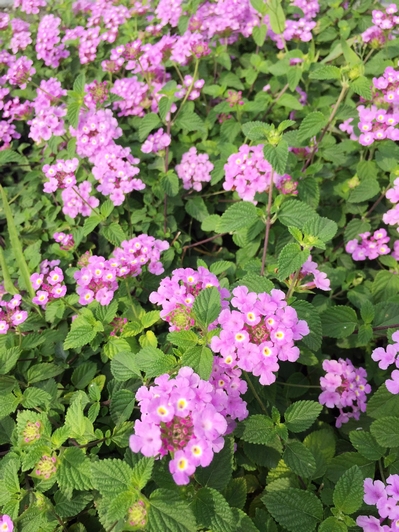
<point>168,512</point>
<point>277,156</point>
<point>237,216</point>
<point>332,524</point>
<point>124,366</point>
<point>8,359</point>
<point>142,472</point>
<point>294,509</point>
<point>367,189</point>
<point>348,493</point>
<point>110,476</point>
<point>311,125</point>
<point>154,362</point>
<point>212,511</point>
<point>170,184</point>
<point>149,122</point>
<point>276,16</point>
<point>70,507</point>
<point>122,404</point>
<point>113,233</point>
<point>299,459</point>
<point>207,306</point>
<point>34,397</point>
<point>366,445</point>
<point>218,474</point>
<point>338,322</point>
<point>79,337</point>
<point>290,260</point>
<point>295,213</point>
<point>386,431</point>
<point>236,492</point>
<point>306,311</point>
<point>196,207</point>
<point>362,87</point>
<point>325,72</point>
<point>322,228</point>
<point>200,358</point>
<point>256,283</point>
<point>382,403</point>
<point>301,415</point>
<point>73,471</point>
<point>258,429</point>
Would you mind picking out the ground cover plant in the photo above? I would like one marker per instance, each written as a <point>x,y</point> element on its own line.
<point>199,298</point>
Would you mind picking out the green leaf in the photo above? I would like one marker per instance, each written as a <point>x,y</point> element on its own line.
<point>206,307</point>
<point>200,358</point>
<point>124,366</point>
<point>237,216</point>
<point>229,130</point>
<point>8,359</point>
<point>79,84</point>
<point>83,374</point>
<point>236,492</point>
<point>332,524</point>
<point>290,260</point>
<point>311,125</point>
<point>168,512</point>
<point>276,16</point>
<point>362,87</point>
<point>256,130</point>
<point>154,362</point>
<point>301,415</point>
<point>258,429</point>
<point>221,266</point>
<point>212,511</point>
<point>142,472</point>
<point>107,313</point>
<point>183,339</point>
<point>122,404</point>
<point>65,507</point>
<point>322,228</point>
<point>290,102</point>
<point>73,471</point>
<point>34,397</point>
<point>113,233</point>
<point>294,509</point>
<point>7,281</point>
<point>367,189</point>
<point>306,311</point>
<point>348,493</point>
<point>366,444</point>
<point>190,121</point>
<point>386,431</point>
<point>382,403</point>
<point>91,223</point>
<point>325,72</point>
<point>299,459</point>
<point>149,122</point>
<point>259,34</point>
<point>256,283</point>
<point>73,111</point>
<point>260,6</point>
<point>16,245</point>
<point>367,311</point>
<point>295,213</point>
<point>79,337</point>
<point>196,207</point>
<point>42,372</point>
<point>277,156</point>
<point>354,228</point>
<point>338,322</point>
<point>111,477</point>
<point>218,474</point>
<point>170,184</point>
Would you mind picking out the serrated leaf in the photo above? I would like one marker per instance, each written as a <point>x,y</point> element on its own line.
<point>122,404</point>
<point>348,492</point>
<point>259,34</point>
<point>294,509</point>
<point>90,224</point>
<point>382,403</point>
<point>295,213</point>
<point>183,339</point>
<point>200,358</point>
<point>237,216</point>
<point>338,322</point>
<point>73,111</point>
<point>366,444</point>
<point>299,459</point>
<point>207,306</point>
<point>79,337</point>
<point>301,415</point>
<point>212,511</point>
<point>386,431</point>
<point>170,184</point>
<point>169,512</point>
<point>149,122</point>
<point>256,283</point>
<point>276,16</point>
<point>111,476</point>
<point>256,130</point>
<point>290,260</point>
<point>142,472</point>
<point>354,228</point>
<point>367,189</point>
<point>73,471</point>
<point>325,72</point>
<point>311,125</point>
<point>196,207</point>
<point>34,397</point>
<point>154,362</point>
<point>306,311</point>
<point>218,474</point>
<point>332,524</point>
<point>113,233</point>
<point>277,156</point>
<point>65,507</point>
<point>8,359</point>
<point>322,228</point>
<point>258,429</point>
<point>79,84</point>
<point>362,87</point>
<point>124,366</point>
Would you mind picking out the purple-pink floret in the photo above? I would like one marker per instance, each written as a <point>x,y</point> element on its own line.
<point>385,497</point>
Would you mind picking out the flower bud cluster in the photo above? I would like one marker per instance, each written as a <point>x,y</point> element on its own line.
<point>194,169</point>
<point>181,416</point>
<point>385,358</point>
<point>259,334</point>
<point>391,217</point>
<point>384,24</point>
<point>344,387</point>
<point>65,241</point>
<point>11,315</point>
<point>48,284</point>
<point>177,294</point>
<point>60,175</point>
<point>370,247</point>
<point>156,142</point>
<point>385,497</point>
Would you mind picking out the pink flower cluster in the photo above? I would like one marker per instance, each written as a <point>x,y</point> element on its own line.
<point>48,120</point>
<point>180,416</point>
<point>11,314</point>
<point>177,294</point>
<point>31,7</point>
<point>194,169</point>
<point>156,142</point>
<point>48,284</point>
<point>300,27</point>
<point>384,24</point>
<point>319,280</point>
<point>377,124</point>
<point>8,132</point>
<point>259,334</point>
<point>96,130</point>
<point>96,280</point>
<point>65,241</point>
<point>60,175</point>
<point>391,217</point>
<point>370,247</point>
<point>385,498</point>
<point>135,253</point>
<point>248,172</point>
<point>194,88</point>
<point>48,45</point>
<point>6,523</point>
<point>77,200</point>
<point>385,358</point>
<point>20,72</point>
<point>344,387</point>
<point>21,36</point>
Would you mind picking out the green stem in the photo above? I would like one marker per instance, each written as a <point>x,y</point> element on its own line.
<point>255,393</point>
<point>268,224</point>
<point>188,91</point>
